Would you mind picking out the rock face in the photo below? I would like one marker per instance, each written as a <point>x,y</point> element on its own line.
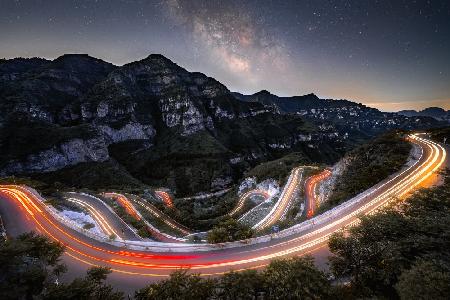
<point>66,154</point>
<point>162,124</point>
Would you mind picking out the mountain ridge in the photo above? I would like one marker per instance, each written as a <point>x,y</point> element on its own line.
<point>437,113</point>
<point>164,125</point>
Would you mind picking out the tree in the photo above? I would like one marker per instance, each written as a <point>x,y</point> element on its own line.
<point>370,255</point>
<point>91,287</point>
<point>295,278</point>
<point>425,280</point>
<point>387,251</point>
<point>27,264</point>
<point>179,286</point>
<point>246,284</point>
<point>229,230</point>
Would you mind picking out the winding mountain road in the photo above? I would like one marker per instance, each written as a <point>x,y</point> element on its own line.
<point>134,262</point>
<point>310,191</point>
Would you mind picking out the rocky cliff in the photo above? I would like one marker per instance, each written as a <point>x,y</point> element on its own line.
<point>155,120</point>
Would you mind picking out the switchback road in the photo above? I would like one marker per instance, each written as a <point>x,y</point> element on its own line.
<point>23,210</point>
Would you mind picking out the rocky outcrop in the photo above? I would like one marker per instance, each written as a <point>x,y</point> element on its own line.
<point>66,154</point>
<point>131,131</point>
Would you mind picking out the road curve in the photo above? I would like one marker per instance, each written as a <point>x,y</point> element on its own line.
<point>130,206</point>
<point>30,213</point>
<point>310,191</point>
<point>246,196</point>
<point>102,213</point>
<point>284,201</point>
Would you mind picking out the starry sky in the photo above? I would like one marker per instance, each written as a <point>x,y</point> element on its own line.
<point>391,55</point>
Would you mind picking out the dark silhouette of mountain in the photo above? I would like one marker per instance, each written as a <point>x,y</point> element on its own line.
<point>343,114</point>
<point>433,112</point>
<point>155,123</point>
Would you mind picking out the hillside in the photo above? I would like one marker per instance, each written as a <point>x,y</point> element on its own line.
<point>158,124</point>
<point>367,165</point>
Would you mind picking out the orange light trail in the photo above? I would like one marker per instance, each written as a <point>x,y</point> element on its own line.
<point>246,196</point>
<point>310,188</point>
<point>165,197</point>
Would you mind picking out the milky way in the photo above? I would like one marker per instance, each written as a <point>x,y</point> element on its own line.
<point>388,54</point>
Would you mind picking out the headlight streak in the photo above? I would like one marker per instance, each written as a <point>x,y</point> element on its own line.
<point>280,208</point>
<point>246,196</point>
<point>310,190</point>
<point>106,227</point>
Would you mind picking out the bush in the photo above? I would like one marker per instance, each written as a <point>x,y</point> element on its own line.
<point>229,230</point>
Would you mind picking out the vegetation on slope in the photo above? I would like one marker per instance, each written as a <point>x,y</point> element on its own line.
<point>278,169</point>
<point>440,134</point>
<point>95,176</point>
<point>19,138</point>
<point>368,165</point>
<point>229,230</point>
<point>401,252</point>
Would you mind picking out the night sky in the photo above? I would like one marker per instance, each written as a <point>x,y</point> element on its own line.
<point>388,54</point>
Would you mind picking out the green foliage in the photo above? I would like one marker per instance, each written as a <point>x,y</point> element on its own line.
<point>91,175</point>
<point>425,280</point>
<point>278,169</point>
<point>203,214</point>
<point>180,286</point>
<point>91,287</point>
<point>30,264</point>
<point>96,176</point>
<point>388,251</point>
<point>368,165</point>
<point>88,226</point>
<point>292,278</point>
<point>229,230</point>
<point>440,134</point>
<point>247,284</point>
<point>295,278</point>
<point>27,264</point>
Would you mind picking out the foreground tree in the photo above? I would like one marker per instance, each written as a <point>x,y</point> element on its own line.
<point>296,278</point>
<point>28,264</point>
<point>425,280</point>
<point>180,286</point>
<point>229,230</point>
<point>91,287</point>
<point>248,284</point>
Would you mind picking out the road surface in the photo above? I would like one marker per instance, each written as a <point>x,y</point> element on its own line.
<point>246,196</point>
<point>283,204</point>
<point>310,191</point>
<point>22,211</point>
<point>103,215</point>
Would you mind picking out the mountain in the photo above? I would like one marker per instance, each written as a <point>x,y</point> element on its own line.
<point>151,122</point>
<point>343,114</point>
<point>433,112</point>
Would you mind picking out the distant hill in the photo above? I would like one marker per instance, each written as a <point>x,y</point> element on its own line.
<point>344,114</point>
<point>433,112</point>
